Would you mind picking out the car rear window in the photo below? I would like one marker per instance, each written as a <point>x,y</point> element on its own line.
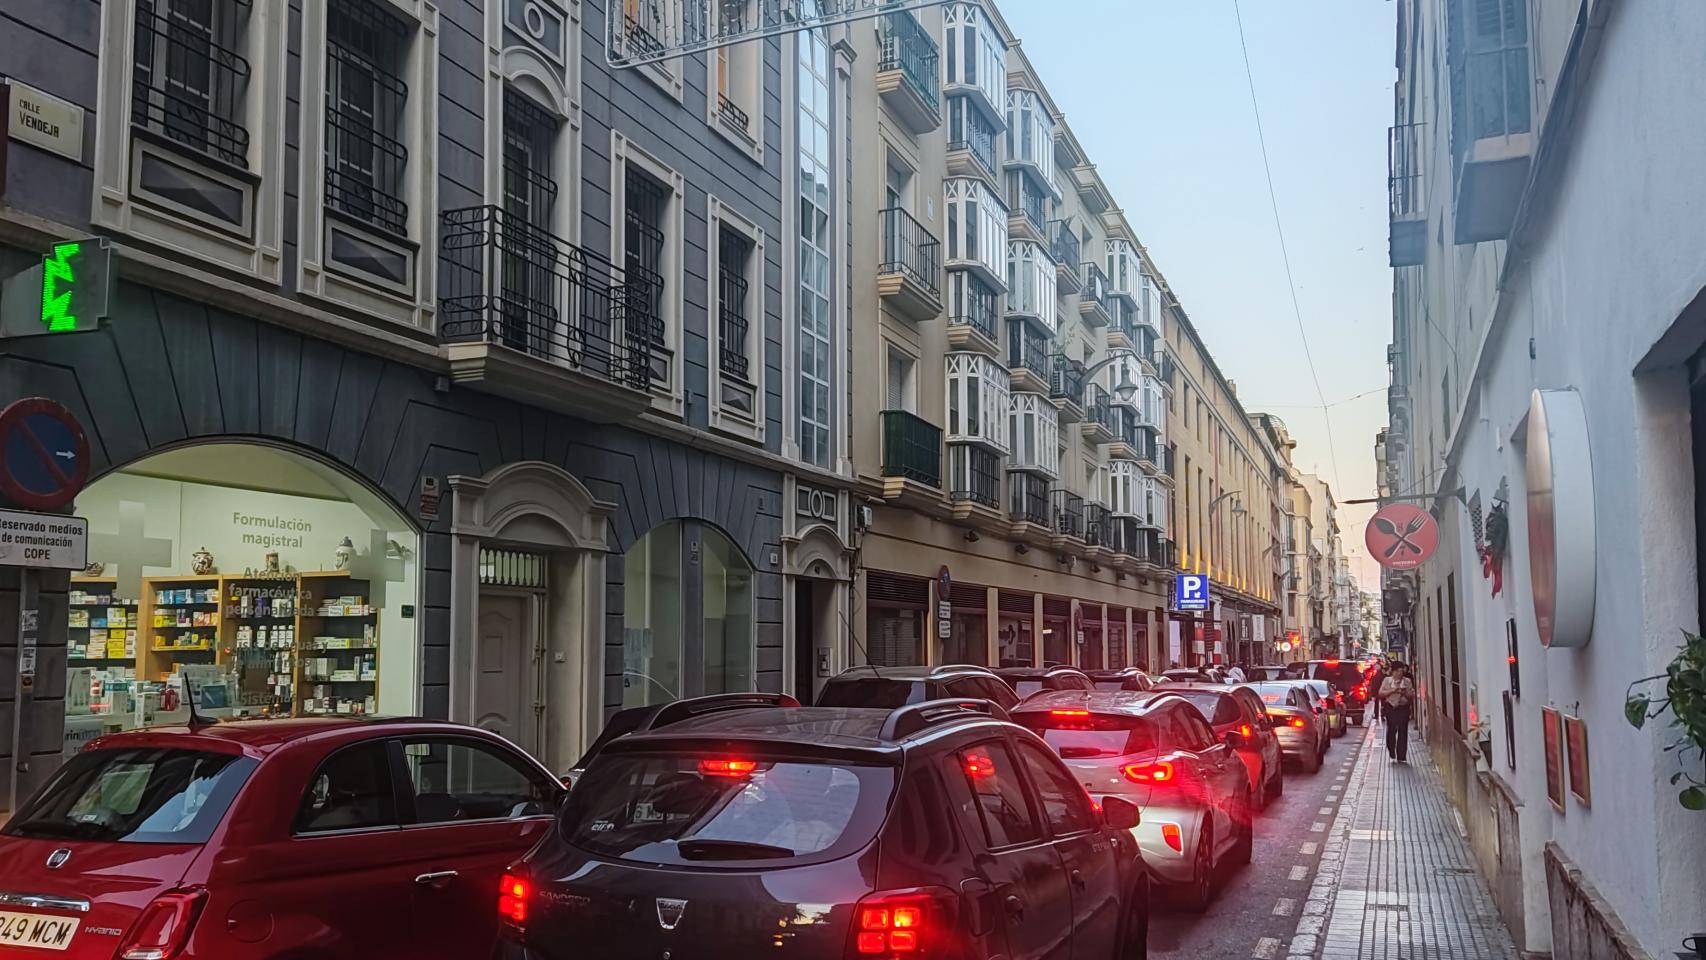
<point>135,796</point>
<point>1343,675</point>
<point>1025,688</point>
<point>1272,693</point>
<point>1083,738</point>
<point>1216,708</point>
<point>701,808</point>
<point>871,692</point>
<point>1110,684</point>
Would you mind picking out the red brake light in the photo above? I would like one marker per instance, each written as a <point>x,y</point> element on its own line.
<point>1175,838</point>
<point>1297,721</point>
<point>1330,663</point>
<point>727,768</point>
<point>903,923</point>
<point>1069,713</point>
<point>164,927</point>
<point>514,892</point>
<point>1245,731</point>
<point>978,766</point>
<point>1155,771</point>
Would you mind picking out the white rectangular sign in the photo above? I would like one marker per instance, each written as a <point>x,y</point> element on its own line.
<point>43,120</point>
<point>45,541</point>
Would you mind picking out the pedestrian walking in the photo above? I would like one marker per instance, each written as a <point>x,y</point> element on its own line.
<point>1236,675</point>
<point>1398,693</point>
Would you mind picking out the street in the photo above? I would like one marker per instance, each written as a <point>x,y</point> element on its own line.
<point>1257,911</point>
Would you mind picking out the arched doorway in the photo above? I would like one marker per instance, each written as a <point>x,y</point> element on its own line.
<point>281,583</point>
<point>688,615</point>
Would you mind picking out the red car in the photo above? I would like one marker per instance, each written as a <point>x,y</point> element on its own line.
<point>330,838</point>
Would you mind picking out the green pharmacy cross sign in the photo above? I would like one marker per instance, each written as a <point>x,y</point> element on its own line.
<point>67,292</point>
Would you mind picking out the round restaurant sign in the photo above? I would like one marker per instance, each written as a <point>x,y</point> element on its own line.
<point>1401,536</point>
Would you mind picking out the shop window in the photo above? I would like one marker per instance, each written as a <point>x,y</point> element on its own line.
<point>968,639</point>
<point>677,644</point>
<point>1057,631</point>
<point>1016,642</point>
<point>895,625</point>
<point>276,584</point>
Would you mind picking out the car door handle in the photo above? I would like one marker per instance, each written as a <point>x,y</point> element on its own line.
<point>1078,882</point>
<point>1015,909</point>
<point>438,879</point>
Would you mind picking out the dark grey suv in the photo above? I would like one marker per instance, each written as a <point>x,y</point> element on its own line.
<point>891,687</point>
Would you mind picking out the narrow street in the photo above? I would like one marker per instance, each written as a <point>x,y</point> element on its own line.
<point>1257,911</point>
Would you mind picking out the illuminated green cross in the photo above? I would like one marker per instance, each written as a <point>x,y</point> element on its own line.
<point>58,284</point>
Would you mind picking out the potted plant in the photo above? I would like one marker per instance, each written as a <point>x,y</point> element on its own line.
<point>1685,699</point>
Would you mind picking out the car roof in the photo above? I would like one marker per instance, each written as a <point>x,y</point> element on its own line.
<point>257,738</point>
<point>945,671</point>
<point>845,728</point>
<point>1031,672</point>
<point>1120,672</point>
<point>1132,702</point>
<point>1226,688</point>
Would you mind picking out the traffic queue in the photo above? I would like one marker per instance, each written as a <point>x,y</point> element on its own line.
<point>952,812</point>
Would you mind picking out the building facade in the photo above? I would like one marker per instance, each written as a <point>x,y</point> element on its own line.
<point>1545,401</point>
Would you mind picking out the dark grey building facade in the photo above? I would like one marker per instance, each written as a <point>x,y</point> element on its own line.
<point>435,265</point>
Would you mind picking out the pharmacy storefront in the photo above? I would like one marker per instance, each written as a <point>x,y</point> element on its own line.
<point>310,530</point>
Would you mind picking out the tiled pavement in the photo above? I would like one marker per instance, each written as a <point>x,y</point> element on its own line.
<point>1397,879</point>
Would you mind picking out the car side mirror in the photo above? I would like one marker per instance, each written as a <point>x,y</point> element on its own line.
<point>1233,739</point>
<point>1120,814</point>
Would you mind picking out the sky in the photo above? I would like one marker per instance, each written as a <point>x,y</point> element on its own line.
<point>1156,92</point>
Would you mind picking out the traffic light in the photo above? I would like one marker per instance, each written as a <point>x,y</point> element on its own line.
<point>68,292</point>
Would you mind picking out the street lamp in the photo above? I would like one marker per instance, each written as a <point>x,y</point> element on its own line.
<point>1125,389</point>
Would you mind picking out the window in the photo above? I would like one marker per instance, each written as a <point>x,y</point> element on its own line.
<point>350,791</point>
<point>366,52</point>
<point>464,780</point>
<point>191,80</point>
<point>529,141</point>
<point>734,317</point>
<point>737,75</point>
<point>135,795</point>
<point>902,392</point>
<point>897,190</point>
<point>1066,806</point>
<point>529,307</point>
<point>645,202</point>
<point>815,265</point>
<point>677,643</point>
<point>999,795</point>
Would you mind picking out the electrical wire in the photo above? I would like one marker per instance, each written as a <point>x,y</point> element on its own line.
<point>1285,254</point>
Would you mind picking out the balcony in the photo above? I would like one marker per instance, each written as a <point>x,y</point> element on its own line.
<point>912,459</point>
<point>1492,130</point>
<point>974,487</point>
<point>974,315</point>
<point>1027,216</point>
<point>1098,416</point>
<point>534,318</point>
<point>1124,539</point>
<point>972,137</point>
<point>1066,387</point>
<point>1124,269</point>
<point>1068,518</point>
<point>1066,249</point>
<point>1122,329</point>
<point>909,277</point>
<point>1122,426</point>
<point>1167,554</point>
<point>1098,530</point>
<point>908,75</point>
<point>1027,359</point>
<point>1093,298</point>
<point>1166,456</point>
<point>1028,507</point>
<point>1146,448</point>
<point>1406,206</point>
<point>1168,369</point>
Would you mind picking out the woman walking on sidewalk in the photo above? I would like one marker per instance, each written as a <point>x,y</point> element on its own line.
<point>1397,692</point>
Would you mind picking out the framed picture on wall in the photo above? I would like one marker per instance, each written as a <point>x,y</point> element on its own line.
<point>1552,730</point>
<point>1576,741</point>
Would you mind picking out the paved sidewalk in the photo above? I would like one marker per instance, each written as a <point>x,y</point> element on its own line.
<point>1397,878</point>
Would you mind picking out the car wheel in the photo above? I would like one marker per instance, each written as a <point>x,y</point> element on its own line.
<point>1312,763</point>
<point>1199,893</point>
<point>1244,849</point>
<point>1276,783</point>
<point>1134,940</point>
<point>1357,719</point>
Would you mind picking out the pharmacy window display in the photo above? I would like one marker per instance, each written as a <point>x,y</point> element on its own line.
<point>275,583</point>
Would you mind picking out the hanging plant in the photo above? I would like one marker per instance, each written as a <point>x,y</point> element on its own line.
<point>1685,699</point>
<point>1493,551</point>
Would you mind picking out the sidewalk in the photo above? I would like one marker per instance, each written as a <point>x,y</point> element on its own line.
<point>1397,879</point>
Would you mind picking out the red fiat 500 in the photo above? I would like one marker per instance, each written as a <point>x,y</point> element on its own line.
<point>328,838</point>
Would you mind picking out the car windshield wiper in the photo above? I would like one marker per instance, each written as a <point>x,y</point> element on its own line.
<point>66,829</point>
<point>730,850</point>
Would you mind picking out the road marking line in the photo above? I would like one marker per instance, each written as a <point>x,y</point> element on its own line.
<point>1267,948</point>
<point>1324,811</point>
<point>1310,848</point>
<point>1299,872</point>
<point>1285,907</point>
<point>1317,827</point>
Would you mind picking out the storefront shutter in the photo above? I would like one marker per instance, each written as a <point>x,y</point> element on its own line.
<point>969,596</point>
<point>1020,603</point>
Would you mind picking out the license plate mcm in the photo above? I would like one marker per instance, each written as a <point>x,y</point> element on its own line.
<point>37,930</point>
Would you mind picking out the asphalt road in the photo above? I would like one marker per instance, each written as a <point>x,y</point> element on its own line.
<point>1256,912</point>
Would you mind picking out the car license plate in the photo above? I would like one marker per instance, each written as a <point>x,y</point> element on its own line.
<point>37,930</point>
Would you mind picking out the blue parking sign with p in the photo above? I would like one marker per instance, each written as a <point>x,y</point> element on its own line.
<point>1190,591</point>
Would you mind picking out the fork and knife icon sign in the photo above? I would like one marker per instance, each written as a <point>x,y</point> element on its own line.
<point>1403,542</point>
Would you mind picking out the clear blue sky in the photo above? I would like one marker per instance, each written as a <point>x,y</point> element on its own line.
<point>1156,92</point>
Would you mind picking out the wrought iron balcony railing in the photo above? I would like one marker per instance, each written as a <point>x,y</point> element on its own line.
<point>1098,408</point>
<point>1095,284</point>
<point>1026,350</point>
<point>189,83</point>
<point>975,304</point>
<point>909,48</point>
<point>1066,379</point>
<point>1096,525</point>
<point>976,476</point>
<point>971,131</point>
<point>1063,242</point>
<point>910,249</point>
<point>1030,499</point>
<point>1068,514</point>
<point>912,448</point>
<point>508,282</point>
<point>1122,318</point>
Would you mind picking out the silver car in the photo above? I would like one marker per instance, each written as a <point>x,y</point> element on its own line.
<point>1332,703</point>
<point>1155,750</point>
<point>1298,721</point>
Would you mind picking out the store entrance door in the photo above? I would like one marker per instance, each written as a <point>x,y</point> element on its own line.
<point>505,700</point>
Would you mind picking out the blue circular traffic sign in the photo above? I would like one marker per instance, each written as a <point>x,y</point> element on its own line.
<point>44,455</point>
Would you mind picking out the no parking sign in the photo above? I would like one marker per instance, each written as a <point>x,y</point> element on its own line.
<point>44,455</point>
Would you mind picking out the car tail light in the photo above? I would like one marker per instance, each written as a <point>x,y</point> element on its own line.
<point>1069,713</point>
<point>1154,771</point>
<point>915,924</point>
<point>164,926</point>
<point>515,892</point>
<point>722,767</point>
<point>1245,731</point>
<point>1174,837</point>
<point>978,766</point>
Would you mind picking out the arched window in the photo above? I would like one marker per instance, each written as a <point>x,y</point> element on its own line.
<point>688,615</point>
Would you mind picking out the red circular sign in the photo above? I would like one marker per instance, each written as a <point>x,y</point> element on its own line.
<point>1401,536</point>
<point>44,455</point>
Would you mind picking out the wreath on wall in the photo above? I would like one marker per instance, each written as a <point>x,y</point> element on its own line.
<point>1496,546</point>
